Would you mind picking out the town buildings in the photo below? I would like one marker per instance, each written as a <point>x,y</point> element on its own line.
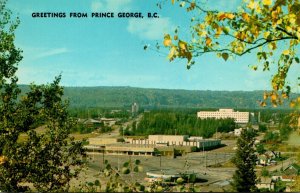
<point>134,109</point>
<point>239,117</point>
<point>164,145</point>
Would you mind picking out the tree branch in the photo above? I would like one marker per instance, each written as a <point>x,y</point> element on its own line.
<point>253,43</point>
<point>200,8</point>
<point>245,51</point>
<point>286,32</point>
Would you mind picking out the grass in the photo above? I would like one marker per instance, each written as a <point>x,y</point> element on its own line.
<point>227,164</point>
<point>78,136</point>
<point>42,129</point>
<point>23,137</point>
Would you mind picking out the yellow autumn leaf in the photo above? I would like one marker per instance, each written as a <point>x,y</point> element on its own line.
<point>175,37</point>
<point>279,22</point>
<point>188,56</point>
<point>239,49</point>
<point>202,26</point>
<point>172,53</point>
<point>258,9</point>
<point>292,18</point>
<point>208,41</point>
<point>272,46</point>
<point>208,18</point>
<point>221,16</point>
<point>292,104</point>
<point>192,5</point>
<point>266,34</point>
<point>202,33</point>
<point>230,15</point>
<point>278,8</point>
<point>252,5</point>
<point>286,52</point>
<point>218,32</point>
<point>298,35</point>
<point>265,96</point>
<point>284,95</point>
<point>167,40</point>
<point>173,1</point>
<point>3,159</point>
<point>267,2</point>
<point>273,97</point>
<point>182,45</point>
<point>246,17</point>
<point>289,29</point>
<point>263,104</point>
<point>254,67</point>
<point>274,14</point>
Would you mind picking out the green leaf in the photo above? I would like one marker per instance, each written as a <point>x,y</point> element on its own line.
<point>136,169</point>
<point>108,166</point>
<point>137,162</point>
<point>225,30</point>
<point>97,183</point>
<point>297,60</point>
<point>125,170</point>
<point>126,164</point>
<point>225,56</point>
<point>264,55</point>
<point>141,188</point>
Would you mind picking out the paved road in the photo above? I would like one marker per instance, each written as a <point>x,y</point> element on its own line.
<point>194,162</point>
<point>115,133</point>
<point>282,164</point>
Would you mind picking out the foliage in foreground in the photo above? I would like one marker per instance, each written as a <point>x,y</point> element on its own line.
<point>44,162</point>
<point>121,180</point>
<point>268,28</point>
<point>244,178</point>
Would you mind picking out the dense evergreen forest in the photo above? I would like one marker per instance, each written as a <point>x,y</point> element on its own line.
<point>171,123</point>
<point>120,97</point>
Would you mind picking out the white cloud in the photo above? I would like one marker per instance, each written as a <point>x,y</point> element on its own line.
<point>151,29</point>
<point>111,5</point>
<point>31,53</point>
<point>257,80</point>
<point>52,52</point>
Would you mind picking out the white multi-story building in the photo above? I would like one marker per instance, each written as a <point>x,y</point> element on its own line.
<point>239,117</point>
<point>134,108</point>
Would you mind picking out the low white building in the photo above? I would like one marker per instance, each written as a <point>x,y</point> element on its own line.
<point>177,140</point>
<point>239,117</point>
<point>265,183</point>
<point>108,121</point>
<point>170,139</point>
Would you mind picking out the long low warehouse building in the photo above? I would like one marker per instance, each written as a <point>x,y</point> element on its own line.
<point>165,145</point>
<point>176,140</point>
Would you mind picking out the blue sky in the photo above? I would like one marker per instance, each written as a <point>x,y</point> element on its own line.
<point>109,51</point>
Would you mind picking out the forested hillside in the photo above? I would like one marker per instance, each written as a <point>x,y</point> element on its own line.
<point>82,97</point>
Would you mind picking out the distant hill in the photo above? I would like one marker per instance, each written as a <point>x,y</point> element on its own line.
<point>83,97</point>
